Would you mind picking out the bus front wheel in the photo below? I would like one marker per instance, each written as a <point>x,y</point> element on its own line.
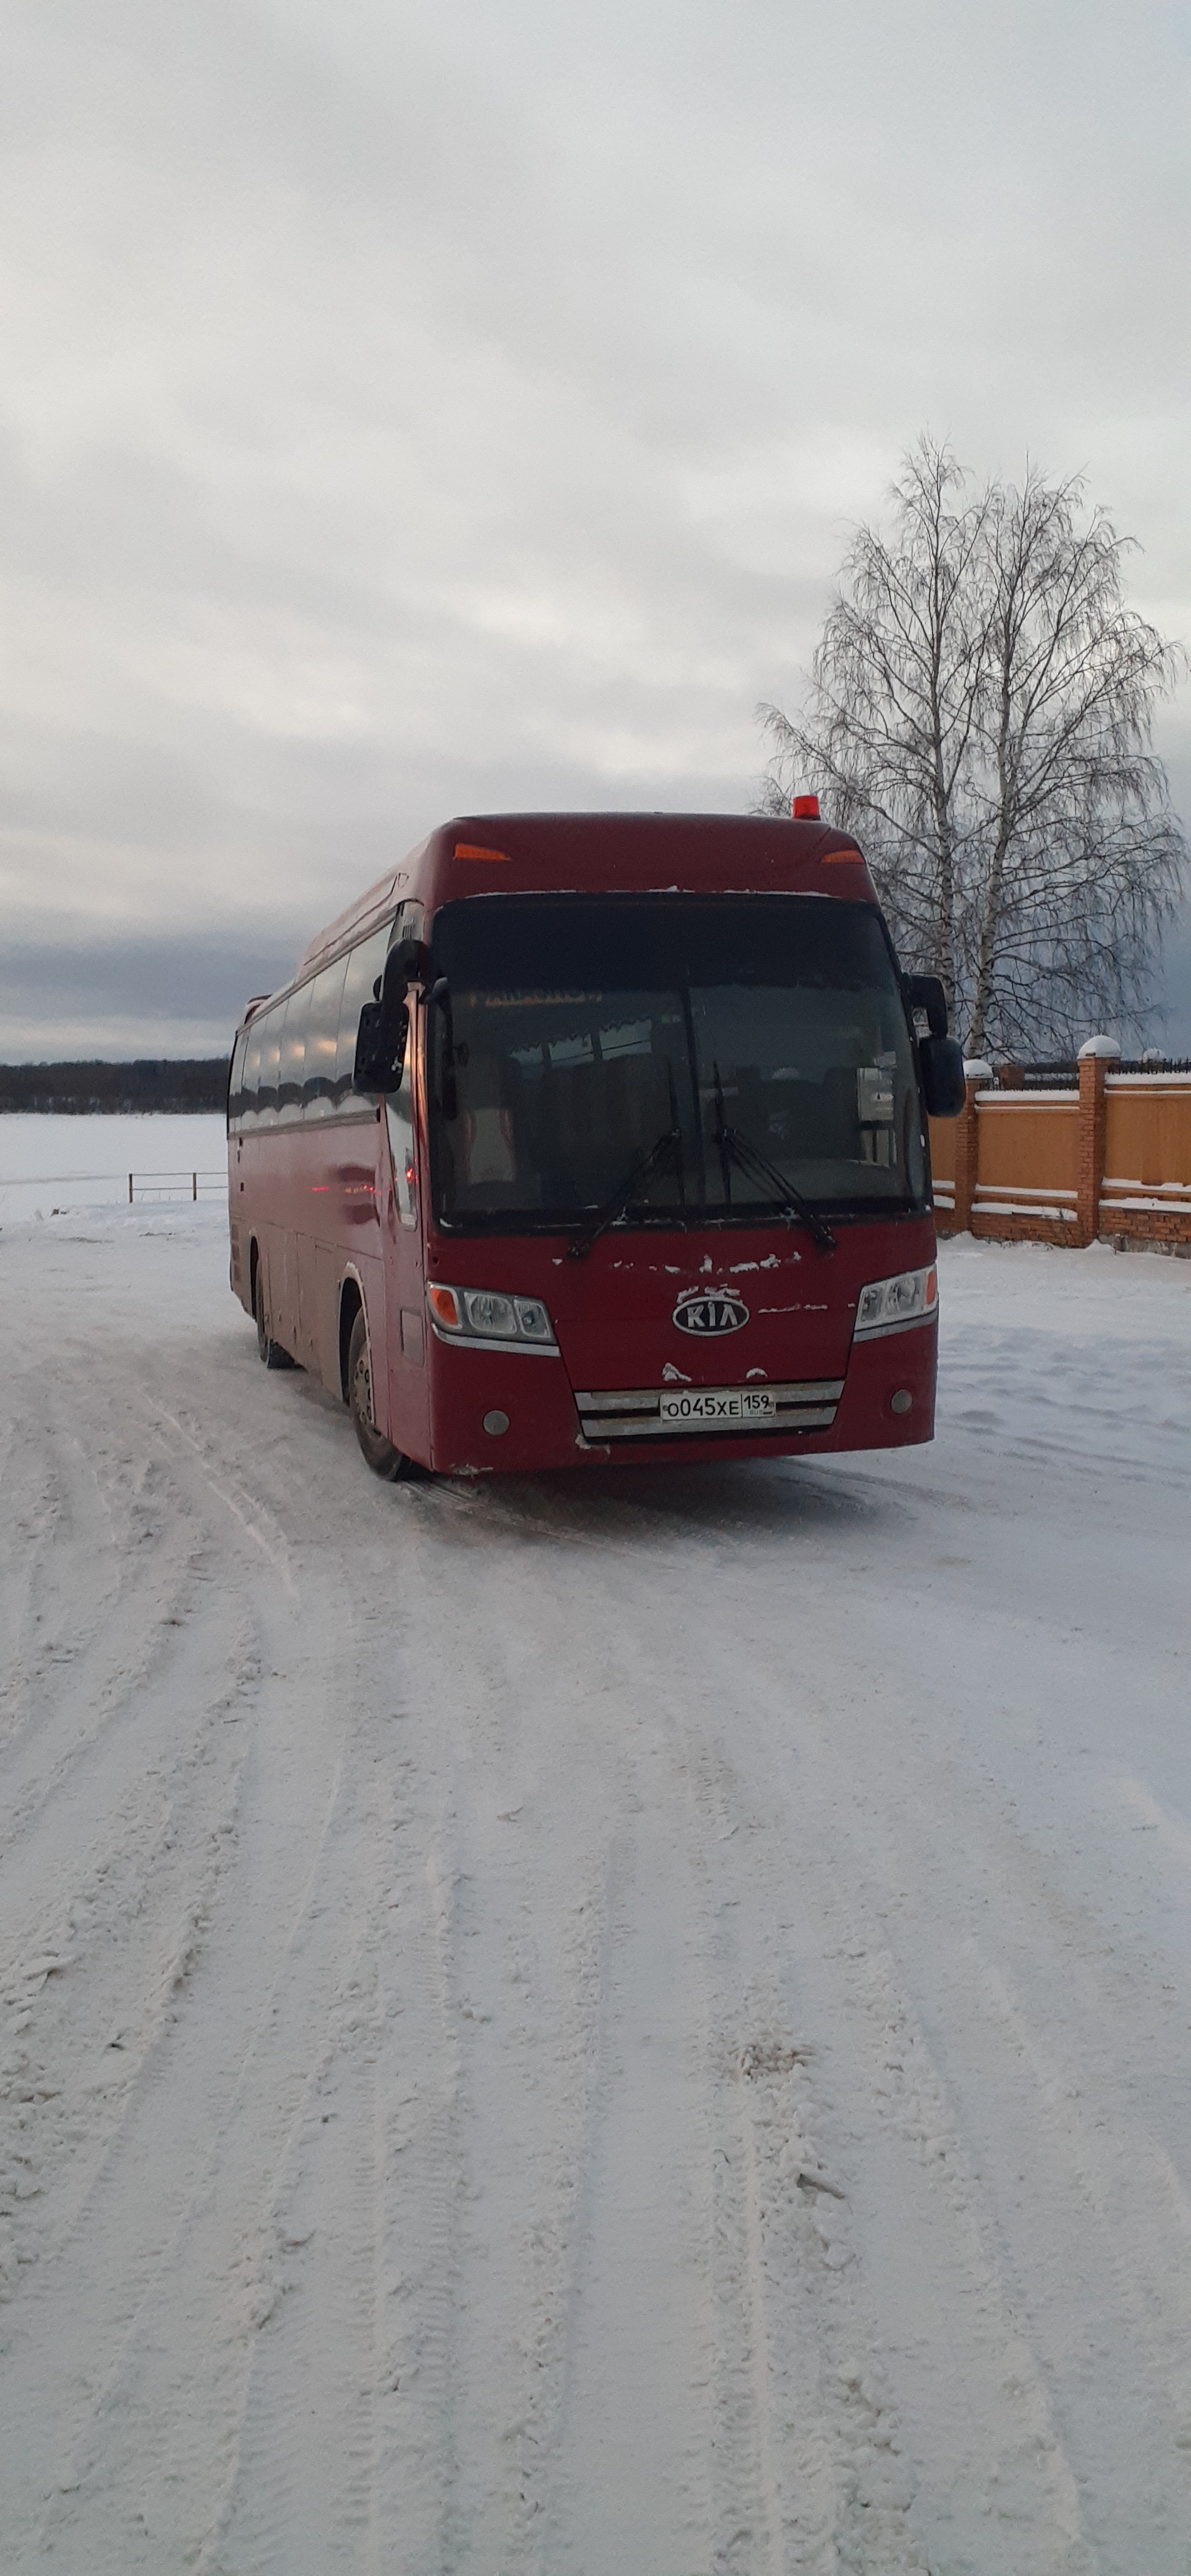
<point>382,1457</point>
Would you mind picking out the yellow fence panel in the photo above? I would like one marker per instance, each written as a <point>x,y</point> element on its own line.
<point>1112,1158</point>
<point>1146,1188</point>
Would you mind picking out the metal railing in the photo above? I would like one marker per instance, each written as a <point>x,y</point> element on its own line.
<point>175,1185</point>
<point>1064,1076</point>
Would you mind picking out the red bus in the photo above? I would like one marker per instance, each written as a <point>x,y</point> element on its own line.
<point>585,1138</point>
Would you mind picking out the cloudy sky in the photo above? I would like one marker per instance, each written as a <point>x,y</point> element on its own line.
<point>419,406</point>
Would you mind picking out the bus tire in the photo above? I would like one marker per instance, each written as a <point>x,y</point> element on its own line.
<point>270,1351</point>
<point>382,1457</point>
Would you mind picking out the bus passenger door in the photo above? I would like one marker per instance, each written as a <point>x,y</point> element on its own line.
<point>405,1301</point>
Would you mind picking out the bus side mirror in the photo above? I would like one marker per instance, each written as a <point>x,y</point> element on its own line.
<point>409,960</point>
<point>925,993</point>
<point>384,1023</point>
<point>943,1084</point>
<point>383,1031</point>
<point>380,1048</point>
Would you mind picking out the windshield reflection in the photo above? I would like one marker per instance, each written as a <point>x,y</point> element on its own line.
<point>561,1059</point>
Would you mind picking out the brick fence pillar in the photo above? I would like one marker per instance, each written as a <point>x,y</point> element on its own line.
<point>1095,1062</point>
<point>966,1150</point>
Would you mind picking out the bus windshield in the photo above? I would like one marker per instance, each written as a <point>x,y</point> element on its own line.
<point>759,1042</point>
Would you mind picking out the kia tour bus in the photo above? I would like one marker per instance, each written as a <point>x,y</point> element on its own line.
<point>593,1138</point>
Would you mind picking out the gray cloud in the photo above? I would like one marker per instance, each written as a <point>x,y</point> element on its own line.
<point>164,996</point>
<point>416,409</point>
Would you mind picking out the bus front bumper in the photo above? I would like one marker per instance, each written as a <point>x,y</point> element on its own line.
<point>520,1415</point>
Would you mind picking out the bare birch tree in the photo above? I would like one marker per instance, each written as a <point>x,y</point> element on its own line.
<point>1081,855</point>
<point>894,703</point>
<point>980,715</point>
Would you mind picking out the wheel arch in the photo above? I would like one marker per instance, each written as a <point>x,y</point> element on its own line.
<point>351,1304</point>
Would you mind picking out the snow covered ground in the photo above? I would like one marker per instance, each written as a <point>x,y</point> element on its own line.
<point>48,1164</point>
<point>631,2025</point>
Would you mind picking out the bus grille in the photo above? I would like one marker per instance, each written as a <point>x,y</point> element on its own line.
<point>635,1413</point>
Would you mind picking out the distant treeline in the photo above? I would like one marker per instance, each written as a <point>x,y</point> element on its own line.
<point>88,1090</point>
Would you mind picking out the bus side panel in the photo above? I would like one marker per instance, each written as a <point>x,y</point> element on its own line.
<point>317,1324</point>
<point>325,1275</point>
<point>324,1190</point>
<point>405,1197</point>
<point>407,1372</point>
<point>267,1170</point>
<point>238,1226</point>
<point>352,1190</point>
<point>283,1263</point>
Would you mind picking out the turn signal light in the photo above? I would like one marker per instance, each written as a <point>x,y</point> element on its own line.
<point>445,1305</point>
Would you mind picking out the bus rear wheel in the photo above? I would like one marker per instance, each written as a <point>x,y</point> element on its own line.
<point>382,1457</point>
<point>270,1351</point>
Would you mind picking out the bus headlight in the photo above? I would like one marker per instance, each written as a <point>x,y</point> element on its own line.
<point>490,1315</point>
<point>887,1305</point>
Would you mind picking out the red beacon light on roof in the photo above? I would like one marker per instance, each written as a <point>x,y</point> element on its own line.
<point>806,809</point>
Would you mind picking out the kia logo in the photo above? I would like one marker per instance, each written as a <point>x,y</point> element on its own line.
<point>710,1310</point>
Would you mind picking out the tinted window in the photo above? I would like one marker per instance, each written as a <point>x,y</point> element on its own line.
<point>764,1039</point>
<point>364,964</point>
<point>250,1091</point>
<point>235,1088</point>
<point>400,1116</point>
<point>322,1040</point>
<point>292,1072</point>
<point>270,1062</point>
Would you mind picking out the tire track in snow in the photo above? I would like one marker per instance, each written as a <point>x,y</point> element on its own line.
<point>1056,2248</point>
<point>177,2336</point>
<point>942,2260</point>
<point>112,1835</point>
<point>98,1926</point>
<point>70,1686</point>
<point>738,2317</point>
<point>662,1729</point>
<point>301,2472</point>
<point>515,2011</point>
<point>807,2448</point>
<point>613,2449</point>
<point>629,2481</point>
<point>113,2308</point>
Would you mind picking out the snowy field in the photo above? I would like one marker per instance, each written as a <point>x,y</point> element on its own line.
<point>631,2025</point>
<point>49,1163</point>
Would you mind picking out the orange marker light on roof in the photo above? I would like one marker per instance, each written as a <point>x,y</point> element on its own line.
<point>806,809</point>
<point>472,850</point>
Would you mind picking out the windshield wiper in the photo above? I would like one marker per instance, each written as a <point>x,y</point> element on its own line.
<point>668,1143</point>
<point>739,1149</point>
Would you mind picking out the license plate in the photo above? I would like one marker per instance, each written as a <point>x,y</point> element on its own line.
<point>717,1404</point>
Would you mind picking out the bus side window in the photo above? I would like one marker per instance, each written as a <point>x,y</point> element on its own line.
<point>364,964</point>
<point>235,1088</point>
<point>322,1041</point>
<point>293,1054</point>
<point>251,1079</point>
<point>266,1097</point>
<point>399,1112</point>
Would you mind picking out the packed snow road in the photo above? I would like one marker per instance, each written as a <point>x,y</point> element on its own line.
<point>627,2026</point>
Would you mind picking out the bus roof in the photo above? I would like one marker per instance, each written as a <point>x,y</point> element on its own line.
<point>479,854</point>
